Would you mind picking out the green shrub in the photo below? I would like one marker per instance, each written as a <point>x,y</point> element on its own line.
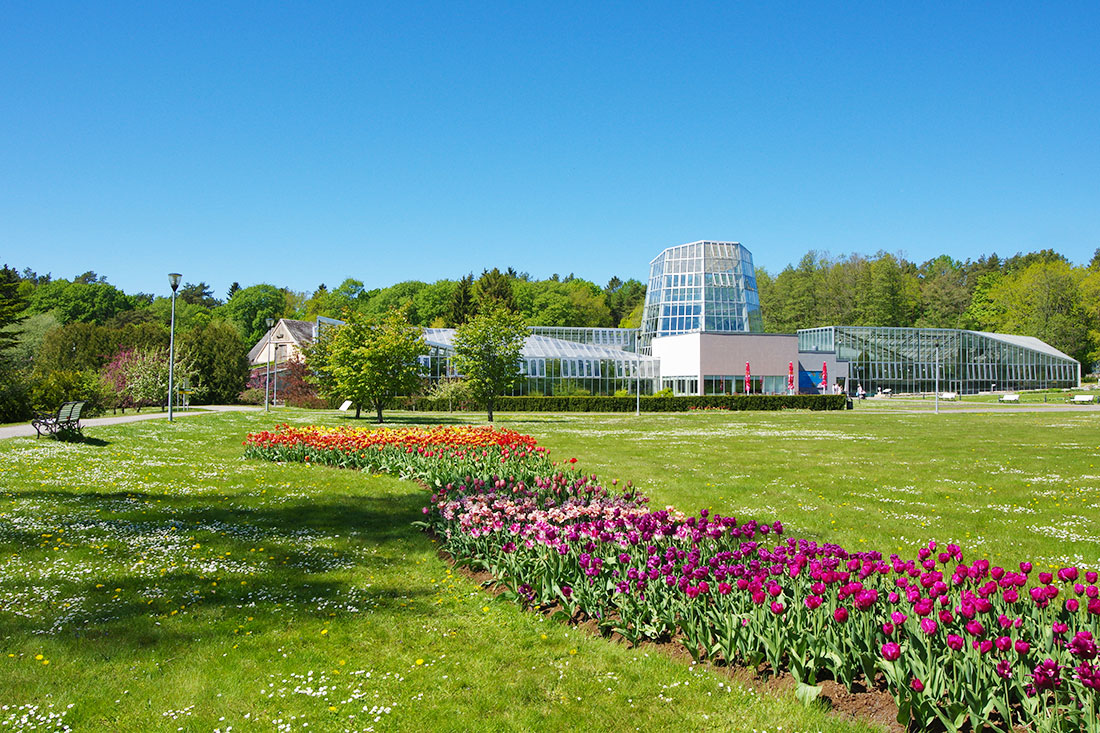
<point>251,396</point>
<point>453,394</point>
<point>15,397</point>
<point>656,403</point>
<point>56,388</point>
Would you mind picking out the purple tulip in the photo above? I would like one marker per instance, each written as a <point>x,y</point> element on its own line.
<point>891,651</point>
<point>840,615</point>
<point>1047,675</point>
<point>1089,675</point>
<point>1082,645</point>
<point>954,641</point>
<point>928,626</point>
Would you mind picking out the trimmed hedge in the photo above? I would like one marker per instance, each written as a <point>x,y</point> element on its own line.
<point>654,404</point>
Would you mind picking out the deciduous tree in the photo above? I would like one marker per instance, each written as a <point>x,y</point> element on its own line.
<point>250,307</point>
<point>375,359</point>
<point>487,353</point>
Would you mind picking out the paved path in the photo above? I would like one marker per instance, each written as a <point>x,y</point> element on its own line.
<point>14,431</point>
<point>953,407</point>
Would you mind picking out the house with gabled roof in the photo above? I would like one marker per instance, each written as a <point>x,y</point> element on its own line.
<point>284,341</point>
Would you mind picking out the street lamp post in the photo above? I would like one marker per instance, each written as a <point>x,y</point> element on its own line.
<point>174,281</point>
<point>267,369</point>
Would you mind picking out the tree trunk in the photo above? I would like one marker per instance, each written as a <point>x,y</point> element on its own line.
<point>378,407</point>
<point>489,403</point>
<point>357,408</point>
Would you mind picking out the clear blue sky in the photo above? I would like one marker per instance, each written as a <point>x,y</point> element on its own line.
<point>300,143</point>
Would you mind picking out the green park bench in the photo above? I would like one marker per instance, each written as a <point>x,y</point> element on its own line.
<point>66,418</point>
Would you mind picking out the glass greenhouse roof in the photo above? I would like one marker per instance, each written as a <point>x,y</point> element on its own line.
<point>1027,342</point>
<point>543,347</point>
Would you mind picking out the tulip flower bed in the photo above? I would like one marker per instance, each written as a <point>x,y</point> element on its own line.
<point>957,644</point>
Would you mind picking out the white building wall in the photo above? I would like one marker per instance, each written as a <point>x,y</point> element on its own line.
<point>679,355</point>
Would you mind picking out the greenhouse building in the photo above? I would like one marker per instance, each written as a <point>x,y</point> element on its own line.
<point>921,359</point>
<point>701,334</point>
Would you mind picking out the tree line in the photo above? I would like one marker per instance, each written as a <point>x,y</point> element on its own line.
<point>86,339</point>
<point>68,339</point>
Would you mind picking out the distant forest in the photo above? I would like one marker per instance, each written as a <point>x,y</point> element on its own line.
<point>1037,294</point>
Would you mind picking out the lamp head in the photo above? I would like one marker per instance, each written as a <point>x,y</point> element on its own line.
<point>174,280</point>
<point>270,322</point>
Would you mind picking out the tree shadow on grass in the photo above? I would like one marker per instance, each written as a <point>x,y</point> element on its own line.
<point>186,608</point>
<point>298,559</point>
<point>379,519</point>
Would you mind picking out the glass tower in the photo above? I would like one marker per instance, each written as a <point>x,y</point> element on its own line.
<point>707,287</point>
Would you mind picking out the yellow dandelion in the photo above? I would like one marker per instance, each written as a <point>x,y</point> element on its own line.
<point>419,662</point>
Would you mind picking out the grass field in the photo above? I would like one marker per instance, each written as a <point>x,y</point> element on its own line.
<point>151,579</point>
<point>1008,486</point>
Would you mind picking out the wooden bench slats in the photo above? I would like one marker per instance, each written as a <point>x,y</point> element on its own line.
<point>66,418</point>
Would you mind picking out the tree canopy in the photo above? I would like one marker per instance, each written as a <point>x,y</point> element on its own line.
<point>487,352</point>
<point>374,359</point>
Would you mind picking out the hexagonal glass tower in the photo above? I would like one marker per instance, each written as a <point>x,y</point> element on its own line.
<point>700,287</point>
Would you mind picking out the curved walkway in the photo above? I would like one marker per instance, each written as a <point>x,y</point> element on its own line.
<point>26,429</point>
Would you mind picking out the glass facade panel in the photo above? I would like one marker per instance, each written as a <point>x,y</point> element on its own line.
<point>906,359</point>
<point>595,361</point>
<point>705,287</point>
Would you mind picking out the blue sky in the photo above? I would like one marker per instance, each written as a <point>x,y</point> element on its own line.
<point>300,143</point>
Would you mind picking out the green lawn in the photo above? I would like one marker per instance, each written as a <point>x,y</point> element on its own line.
<point>151,579</point>
<point>1008,486</point>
